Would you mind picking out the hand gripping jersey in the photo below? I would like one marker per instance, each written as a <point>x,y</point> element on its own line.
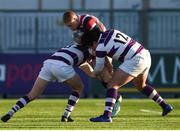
<point>88,22</point>
<point>73,55</point>
<point>116,45</point>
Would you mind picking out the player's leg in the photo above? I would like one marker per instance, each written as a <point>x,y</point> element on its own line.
<point>127,71</point>
<point>77,87</point>
<point>37,89</point>
<point>65,73</point>
<point>119,79</point>
<point>140,83</point>
<point>105,77</point>
<point>149,91</point>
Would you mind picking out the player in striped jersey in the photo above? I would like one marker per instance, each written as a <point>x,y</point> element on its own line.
<point>81,24</point>
<point>136,62</point>
<point>58,67</point>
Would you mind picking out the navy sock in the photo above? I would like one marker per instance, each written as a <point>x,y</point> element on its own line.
<point>111,97</point>
<point>153,94</point>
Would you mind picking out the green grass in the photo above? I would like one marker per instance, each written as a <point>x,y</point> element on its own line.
<point>45,114</point>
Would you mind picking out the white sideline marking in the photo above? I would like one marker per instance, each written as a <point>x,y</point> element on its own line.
<point>150,111</point>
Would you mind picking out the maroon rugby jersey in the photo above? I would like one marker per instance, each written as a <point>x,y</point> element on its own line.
<point>88,22</point>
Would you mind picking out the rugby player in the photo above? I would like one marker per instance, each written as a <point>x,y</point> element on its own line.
<point>58,67</point>
<point>136,62</point>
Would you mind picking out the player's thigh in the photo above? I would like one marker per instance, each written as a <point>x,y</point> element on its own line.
<point>119,79</point>
<point>41,82</point>
<point>105,75</point>
<point>75,83</point>
<point>38,87</point>
<point>140,81</point>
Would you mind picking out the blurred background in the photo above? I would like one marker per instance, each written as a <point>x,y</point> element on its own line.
<point>29,34</point>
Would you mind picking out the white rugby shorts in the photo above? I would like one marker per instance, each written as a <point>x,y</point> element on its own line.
<point>53,70</point>
<point>139,64</point>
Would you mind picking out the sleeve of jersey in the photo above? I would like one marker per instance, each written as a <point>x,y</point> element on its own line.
<point>90,23</point>
<point>100,60</point>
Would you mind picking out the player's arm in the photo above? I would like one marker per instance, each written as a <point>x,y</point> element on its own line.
<point>100,61</point>
<point>108,64</point>
<point>106,73</point>
<point>87,68</point>
<point>99,65</point>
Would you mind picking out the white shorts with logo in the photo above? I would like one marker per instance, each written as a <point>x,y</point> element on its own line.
<point>139,64</point>
<point>53,70</point>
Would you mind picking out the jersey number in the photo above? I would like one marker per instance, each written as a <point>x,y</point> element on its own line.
<point>120,38</point>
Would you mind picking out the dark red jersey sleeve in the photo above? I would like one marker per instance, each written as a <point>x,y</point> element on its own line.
<point>88,22</point>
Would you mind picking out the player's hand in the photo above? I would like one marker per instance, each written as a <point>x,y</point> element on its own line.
<point>96,74</point>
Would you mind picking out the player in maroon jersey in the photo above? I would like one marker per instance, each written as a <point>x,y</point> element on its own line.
<point>80,24</point>
<point>83,23</point>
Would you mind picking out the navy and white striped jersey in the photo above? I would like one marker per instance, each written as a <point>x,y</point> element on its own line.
<point>73,55</point>
<point>116,45</point>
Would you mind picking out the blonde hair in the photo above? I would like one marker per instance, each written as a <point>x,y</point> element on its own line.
<point>68,16</point>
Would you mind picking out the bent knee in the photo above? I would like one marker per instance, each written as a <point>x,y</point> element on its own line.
<point>78,87</point>
<point>79,90</point>
<point>139,86</point>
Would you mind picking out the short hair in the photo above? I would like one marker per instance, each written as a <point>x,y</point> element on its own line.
<point>89,37</point>
<point>68,15</point>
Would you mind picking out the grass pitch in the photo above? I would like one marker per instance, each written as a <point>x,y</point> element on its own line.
<point>135,114</point>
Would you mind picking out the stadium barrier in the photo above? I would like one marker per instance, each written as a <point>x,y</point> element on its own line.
<point>164,75</point>
<point>19,71</point>
<point>38,32</point>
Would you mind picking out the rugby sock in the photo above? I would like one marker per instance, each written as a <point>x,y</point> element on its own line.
<point>111,96</point>
<point>105,86</point>
<point>73,99</point>
<point>153,94</point>
<point>19,104</point>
